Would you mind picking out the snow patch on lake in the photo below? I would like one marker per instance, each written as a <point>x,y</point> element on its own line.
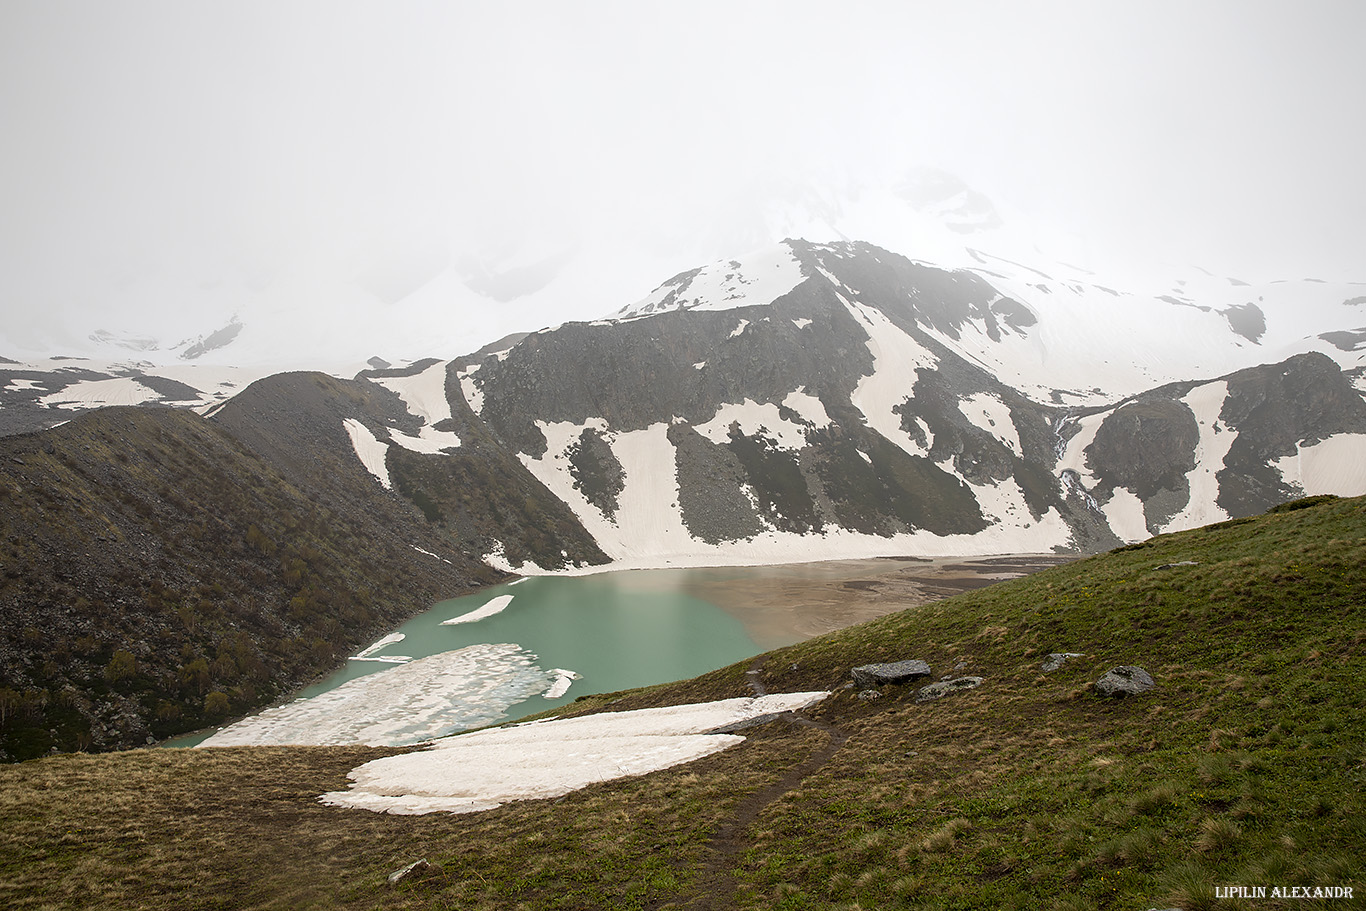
<point>425,698</point>
<point>387,640</point>
<point>485,769</point>
<point>494,606</point>
<point>563,680</point>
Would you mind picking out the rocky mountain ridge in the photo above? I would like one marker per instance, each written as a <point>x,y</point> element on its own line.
<point>810,402</point>
<point>839,400</point>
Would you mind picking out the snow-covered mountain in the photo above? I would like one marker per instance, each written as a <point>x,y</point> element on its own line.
<point>955,389</point>
<point>824,400</point>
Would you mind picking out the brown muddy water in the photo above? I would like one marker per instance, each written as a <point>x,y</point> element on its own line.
<point>790,602</point>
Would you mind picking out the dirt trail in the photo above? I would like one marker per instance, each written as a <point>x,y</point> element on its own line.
<point>717,885</point>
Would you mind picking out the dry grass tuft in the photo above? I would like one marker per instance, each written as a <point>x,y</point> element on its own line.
<point>943,838</point>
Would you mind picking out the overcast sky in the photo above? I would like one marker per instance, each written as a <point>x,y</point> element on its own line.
<point>187,142</point>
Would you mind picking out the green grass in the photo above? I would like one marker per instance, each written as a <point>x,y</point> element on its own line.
<point>1244,767</point>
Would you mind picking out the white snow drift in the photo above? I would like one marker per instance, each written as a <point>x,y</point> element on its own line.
<point>1333,465</point>
<point>484,769</point>
<point>370,450</point>
<point>424,395</point>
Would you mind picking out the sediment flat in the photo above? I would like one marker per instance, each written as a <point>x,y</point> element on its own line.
<point>787,603</point>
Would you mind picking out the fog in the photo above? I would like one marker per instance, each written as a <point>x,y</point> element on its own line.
<point>164,162</point>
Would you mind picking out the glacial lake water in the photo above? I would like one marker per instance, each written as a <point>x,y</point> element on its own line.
<point>614,630</point>
<point>540,642</point>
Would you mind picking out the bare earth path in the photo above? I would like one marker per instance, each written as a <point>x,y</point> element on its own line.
<point>717,885</point>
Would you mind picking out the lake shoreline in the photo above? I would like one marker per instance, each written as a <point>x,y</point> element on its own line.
<point>765,606</point>
<point>786,603</point>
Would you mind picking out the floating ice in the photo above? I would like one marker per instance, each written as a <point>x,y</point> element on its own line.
<point>563,680</point>
<point>387,640</point>
<point>430,697</point>
<point>479,613</point>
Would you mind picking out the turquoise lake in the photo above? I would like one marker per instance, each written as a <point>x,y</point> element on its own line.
<point>615,630</point>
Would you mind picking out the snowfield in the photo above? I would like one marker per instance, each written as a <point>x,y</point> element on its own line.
<point>124,390</point>
<point>897,359</point>
<point>485,769</point>
<point>1334,465</point>
<point>755,418</point>
<point>424,395</point>
<point>648,529</point>
<point>1205,402</point>
<point>370,450</point>
<point>757,278</point>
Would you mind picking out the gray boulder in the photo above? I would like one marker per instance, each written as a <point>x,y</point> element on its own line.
<point>1056,660</point>
<point>1125,680</point>
<point>870,675</point>
<point>945,687</point>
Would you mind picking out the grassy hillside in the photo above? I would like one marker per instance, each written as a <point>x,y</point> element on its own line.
<point>156,575</point>
<point>1244,767</point>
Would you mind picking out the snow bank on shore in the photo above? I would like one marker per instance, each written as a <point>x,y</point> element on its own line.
<point>484,769</point>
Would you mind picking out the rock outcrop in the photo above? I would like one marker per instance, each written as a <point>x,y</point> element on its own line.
<point>1058,659</point>
<point>946,687</point>
<point>898,672</point>
<point>1125,680</point>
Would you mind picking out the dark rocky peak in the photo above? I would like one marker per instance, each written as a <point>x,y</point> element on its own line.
<point>938,299</point>
<point>219,338</point>
<point>676,364</point>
